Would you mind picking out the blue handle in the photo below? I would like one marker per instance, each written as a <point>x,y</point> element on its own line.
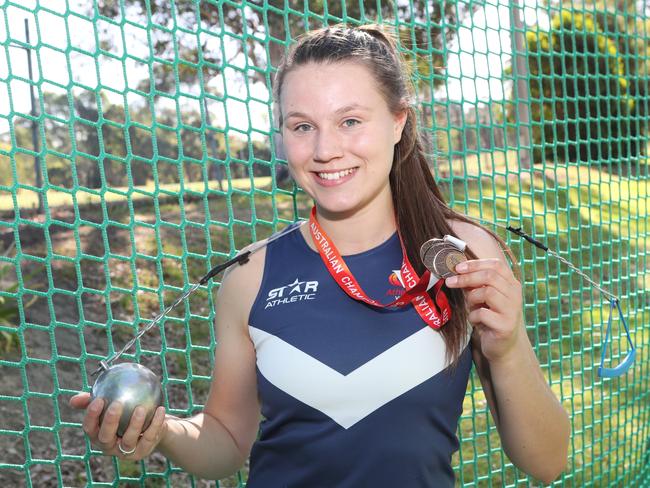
<point>624,366</point>
<point>619,370</point>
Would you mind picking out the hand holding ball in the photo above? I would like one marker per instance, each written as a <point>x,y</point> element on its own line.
<point>131,384</point>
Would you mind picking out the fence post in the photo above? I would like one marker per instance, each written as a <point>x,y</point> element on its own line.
<point>38,179</point>
<point>520,86</point>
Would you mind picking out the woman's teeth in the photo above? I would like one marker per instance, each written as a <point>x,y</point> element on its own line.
<point>335,176</point>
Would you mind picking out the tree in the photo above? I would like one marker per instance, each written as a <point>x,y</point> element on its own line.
<point>95,138</point>
<point>626,23</point>
<point>193,42</point>
<point>425,28</point>
<point>581,106</point>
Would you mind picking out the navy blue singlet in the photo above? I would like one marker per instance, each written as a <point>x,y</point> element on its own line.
<point>352,396</point>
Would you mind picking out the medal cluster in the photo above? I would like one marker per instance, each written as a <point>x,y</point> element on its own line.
<point>440,256</point>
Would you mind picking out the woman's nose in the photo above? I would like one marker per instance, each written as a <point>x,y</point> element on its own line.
<point>328,145</point>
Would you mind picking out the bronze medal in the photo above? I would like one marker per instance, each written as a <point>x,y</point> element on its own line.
<point>428,252</point>
<point>424,249</point>
<point>444,263</point>
<point>441,257</point>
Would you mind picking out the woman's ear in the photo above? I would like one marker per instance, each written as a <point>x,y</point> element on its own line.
<point>400,122</point>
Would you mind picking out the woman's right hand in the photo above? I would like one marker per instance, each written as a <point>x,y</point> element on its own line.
<point>135,444</point>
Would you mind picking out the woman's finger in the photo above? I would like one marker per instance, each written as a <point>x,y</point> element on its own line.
<point>489,318</point>
<point>107,434</point>
<point>90,423</point>
<point>490,296</point>
<point>478,278</point>
<point>132,434</point>
<point>151,436</point>
<point>80,401</point>
<point>499,265</point>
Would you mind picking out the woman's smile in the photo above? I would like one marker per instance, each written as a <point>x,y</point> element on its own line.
<point>334,177</point>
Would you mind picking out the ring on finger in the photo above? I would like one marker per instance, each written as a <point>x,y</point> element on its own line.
<point>124,451</point>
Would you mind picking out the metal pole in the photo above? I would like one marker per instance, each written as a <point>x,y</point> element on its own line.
<point>35,141</point>
<point>213,144</point>
<point>520,71</point>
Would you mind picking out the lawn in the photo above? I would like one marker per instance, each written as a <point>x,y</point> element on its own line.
<point>27,199</point>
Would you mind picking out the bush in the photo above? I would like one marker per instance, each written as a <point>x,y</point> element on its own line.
<point>581,107</point>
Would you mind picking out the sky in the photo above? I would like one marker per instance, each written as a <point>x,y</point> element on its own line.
<point>481,47</point>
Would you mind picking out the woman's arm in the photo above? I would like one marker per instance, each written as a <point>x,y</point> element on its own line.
<point>216,442</point>
<point>533,426</point>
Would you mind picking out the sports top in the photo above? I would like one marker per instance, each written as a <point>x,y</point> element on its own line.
<point>352,396</point>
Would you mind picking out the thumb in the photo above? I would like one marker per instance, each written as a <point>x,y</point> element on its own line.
<point>80,400</point>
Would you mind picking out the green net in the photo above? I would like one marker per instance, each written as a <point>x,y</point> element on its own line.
<point>147,155</point>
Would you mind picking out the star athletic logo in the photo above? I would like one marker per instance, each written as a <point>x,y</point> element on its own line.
<point>297,291</point>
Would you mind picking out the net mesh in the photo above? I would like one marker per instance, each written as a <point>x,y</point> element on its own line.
<point>147,156</point>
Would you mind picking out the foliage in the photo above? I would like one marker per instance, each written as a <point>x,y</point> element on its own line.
<point>582,108</point>
<point>95,146</point>
<point>424,26</point>
<point>90,142</point>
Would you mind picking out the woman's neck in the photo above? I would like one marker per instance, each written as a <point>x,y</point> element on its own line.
<point>356,233</point>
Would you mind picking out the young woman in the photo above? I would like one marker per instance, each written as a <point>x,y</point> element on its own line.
<point>353,394</point>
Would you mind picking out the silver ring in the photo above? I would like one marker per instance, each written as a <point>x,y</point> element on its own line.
<point>126,453</point>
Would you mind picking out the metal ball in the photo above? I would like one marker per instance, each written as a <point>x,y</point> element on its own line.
<point>131,384</point>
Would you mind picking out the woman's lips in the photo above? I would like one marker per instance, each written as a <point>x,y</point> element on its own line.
<point>332,178</point>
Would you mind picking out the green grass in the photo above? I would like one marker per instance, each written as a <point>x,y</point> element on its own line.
<point>85,196</point>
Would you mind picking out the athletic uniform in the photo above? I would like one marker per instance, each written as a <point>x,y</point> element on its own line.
<point>352,395</point>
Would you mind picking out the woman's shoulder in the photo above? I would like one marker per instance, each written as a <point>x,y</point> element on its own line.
<point>246,271</point>
<point>241,282</point>
<point>478,239</point>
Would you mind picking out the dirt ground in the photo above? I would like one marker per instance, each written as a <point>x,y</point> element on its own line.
<point>40,375</point>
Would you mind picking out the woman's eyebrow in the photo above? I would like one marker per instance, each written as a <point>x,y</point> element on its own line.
<point>295,114</point>
<point>351,107</point>
<point>339,111</point>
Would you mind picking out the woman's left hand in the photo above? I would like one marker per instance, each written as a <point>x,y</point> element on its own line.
<point>494,298</point>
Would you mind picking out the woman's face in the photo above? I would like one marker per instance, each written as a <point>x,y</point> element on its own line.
<point>339,136</point>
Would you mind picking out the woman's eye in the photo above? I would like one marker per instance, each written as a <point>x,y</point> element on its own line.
<point>350,122</point>
<point>302,128</point>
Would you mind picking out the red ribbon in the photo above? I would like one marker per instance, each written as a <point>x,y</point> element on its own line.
<point>416,286</point>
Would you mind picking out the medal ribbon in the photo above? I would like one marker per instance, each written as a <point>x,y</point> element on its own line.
<point>435,316</point>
